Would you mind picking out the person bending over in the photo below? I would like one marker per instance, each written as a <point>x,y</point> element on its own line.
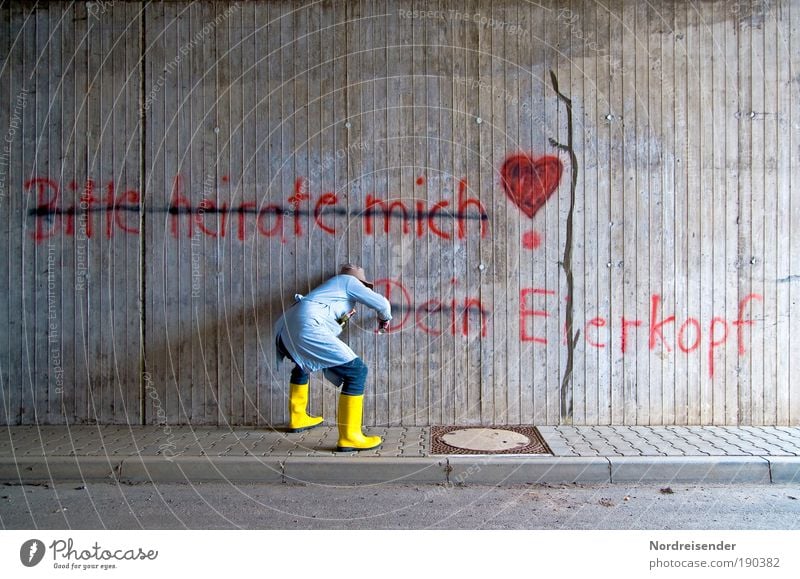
<point>308,334</point>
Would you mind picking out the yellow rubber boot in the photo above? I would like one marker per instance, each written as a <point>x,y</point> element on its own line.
<point>351,437</point>
<point>299,419</point>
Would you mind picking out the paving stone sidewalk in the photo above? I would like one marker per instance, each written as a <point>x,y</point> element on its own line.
<point>672,440</point>
<point>579,454</point>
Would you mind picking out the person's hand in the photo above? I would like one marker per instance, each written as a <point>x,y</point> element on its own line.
<point>382,326</point>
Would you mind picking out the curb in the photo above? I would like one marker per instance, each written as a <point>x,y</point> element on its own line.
<point>784,469</point>
<point>441,470</point>
<point>58,468</point>
<point>188,469</point>
<point>372,470</point>
<point>690,469</point>
<point>493,470</point>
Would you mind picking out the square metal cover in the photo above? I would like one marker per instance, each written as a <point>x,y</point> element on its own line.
<point>487,440</point>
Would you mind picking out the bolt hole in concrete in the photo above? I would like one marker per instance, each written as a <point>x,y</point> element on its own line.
<point>487,440</point>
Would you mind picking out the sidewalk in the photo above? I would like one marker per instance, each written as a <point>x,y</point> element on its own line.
<point>584,454</point>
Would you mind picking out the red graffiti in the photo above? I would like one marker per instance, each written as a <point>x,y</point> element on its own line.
<point>689,335</point>
<point>697,329</point>
<point>327,200</point>
<point>51,220</point>
<point>531,240</point>
<point>444,218</point>
<point>434,316</point>
<point>594,323</point>
<point>388,208</point>
<point>742,322</point>
<point>716,342</point>
<point>424,216</point>
<point>529,182</point>
<point>525,313</point>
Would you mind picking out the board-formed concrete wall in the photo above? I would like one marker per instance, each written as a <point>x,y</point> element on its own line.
<point>582,212</point>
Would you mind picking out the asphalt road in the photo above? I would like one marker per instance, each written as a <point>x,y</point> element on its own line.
<point>273,506</point>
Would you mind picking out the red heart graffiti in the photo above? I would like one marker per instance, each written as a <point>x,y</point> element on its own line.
<point>530,182</point>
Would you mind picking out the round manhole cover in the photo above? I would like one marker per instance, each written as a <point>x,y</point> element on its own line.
<point>486,439</point>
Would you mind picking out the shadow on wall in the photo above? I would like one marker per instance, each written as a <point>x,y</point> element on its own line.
<point>232,378</point>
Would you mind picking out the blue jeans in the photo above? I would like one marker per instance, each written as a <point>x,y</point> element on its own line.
<point>352,376</point>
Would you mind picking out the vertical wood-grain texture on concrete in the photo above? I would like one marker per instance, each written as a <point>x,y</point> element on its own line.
<point>172,174</point>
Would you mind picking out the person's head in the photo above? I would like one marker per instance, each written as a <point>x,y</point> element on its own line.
<point>357,272</point>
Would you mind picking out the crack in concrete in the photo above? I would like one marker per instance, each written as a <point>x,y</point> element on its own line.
<point>566,261</point>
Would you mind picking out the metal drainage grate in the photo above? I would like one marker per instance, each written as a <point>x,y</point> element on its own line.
<point>487,440</point>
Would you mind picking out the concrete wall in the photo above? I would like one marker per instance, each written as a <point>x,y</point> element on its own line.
<point>593,208</point>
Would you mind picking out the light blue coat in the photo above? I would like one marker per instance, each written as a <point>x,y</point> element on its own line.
<point>310,330</point>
